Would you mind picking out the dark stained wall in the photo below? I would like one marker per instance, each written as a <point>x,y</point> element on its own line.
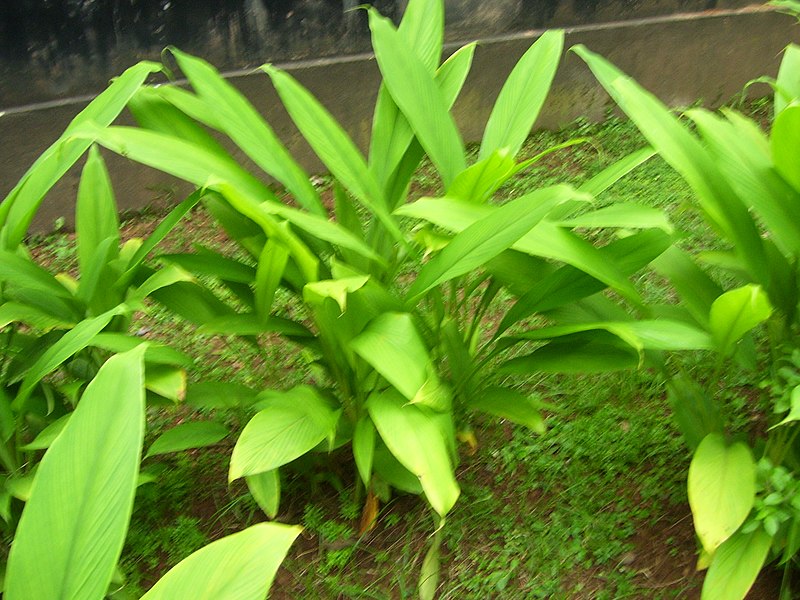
<point>54,49</point>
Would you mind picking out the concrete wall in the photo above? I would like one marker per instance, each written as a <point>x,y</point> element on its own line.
<point>682,57</point>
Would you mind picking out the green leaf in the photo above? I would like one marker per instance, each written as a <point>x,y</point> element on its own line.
<point>622,214</point>
<point>722,489</point>
<point>509,404</point>
<point>154,353</point>
<point>220,394</point>
<point>392,345</point>
<point>695,411</point>
<point>416,441</point>
<point>266,491</point>
<point>21,204</point>
<point>735,566</point>
<point>788,81</point>
<point>364,448</point>
<point>163,229</point>
<point>794,410</point>
<point>522,96</point>
<point>77,516</point>
<point>696,289</point>
<point>214,265</point>
<point>735,313</point>
<point>237,118</point>
<point>18,271</point>
<point>15,312</point>
<point>575,354</point>
<point>613,173</point>
<point>429,573</point>
<point>487,237</point>
<point>335,289</point>
<point>47,435</point>
<point>784,139</point>
<point>241,566</point>
<point>662,334</point>
<point>416,93</point>
<point>198,434</point>
<point>158,280</point>
<point>271,267</point>
<point>687,155</point>
<point>71,342</point>
<point>291,424</point>
<point>333,146</point>
<point>95,211</point>
<point>481,180</point>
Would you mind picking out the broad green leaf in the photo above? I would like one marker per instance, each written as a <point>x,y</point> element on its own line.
<point>20,487</point>
<point>392,345</point>
<point>794,409</point>
<point>696,289</point>
<point>735,313</point>
<point>788,80</point>
<point>393,157</point>
<point>386,468</point>
<point>416,441</point>
<point>613,173</point>
<point>522,96</point>
<point>167,381</point>
<point>196,434</point>
<point>509,404</point>
<point>364,448</point>
<point>333,146</point>
<point>237,567</point>
<point>237,118</point>
<point>545,240</point>
<point>214,265</point>
<point>192,302</point>
<point>291,424</point>
<point>622,214</point>
<point>695,411</point>
<point>568,284</point>
<point>736,565</point>
<point>686,154</point>
<point>75,340</point>
<point>420,99</point>
<point>478,182</point>
<point>429,572</point>
<point>166,225</point>
<point>18,271</point>
<point>741,151</point>
<point>47,435</point>
<point>641,335</point>
<point>271,267</point>
<point>158,280</point>
<point>721,488</point>
<point>487,237</point>
<point>77,516</point>
<point>575,354</point>
<point>153,110</point>
<point>422,27</point>
<point>335,289</point>
<point>95,211</point>
<point>21,204</point>
<point>16,312</point>
<point>220,394</point>
<point>154,353</point>
<point>266,491</point>
<point>784,138</point>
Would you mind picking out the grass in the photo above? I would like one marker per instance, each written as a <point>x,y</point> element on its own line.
<point>595,508</point>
